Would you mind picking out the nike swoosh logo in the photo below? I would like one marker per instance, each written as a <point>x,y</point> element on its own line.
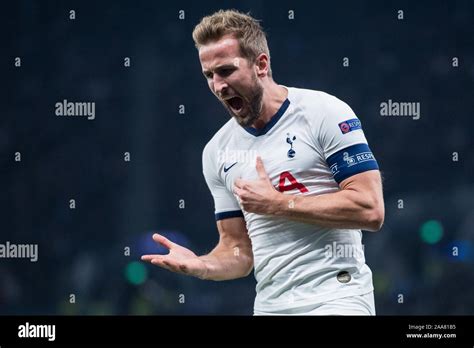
<point>227,169</point>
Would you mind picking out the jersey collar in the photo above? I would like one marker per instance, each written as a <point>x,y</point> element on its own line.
<point>258,132</point>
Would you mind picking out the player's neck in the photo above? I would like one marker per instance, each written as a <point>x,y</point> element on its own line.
<point>273,97</point>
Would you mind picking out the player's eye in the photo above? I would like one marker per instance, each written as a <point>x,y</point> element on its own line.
<point>225,72</point>
<point>208,75</point>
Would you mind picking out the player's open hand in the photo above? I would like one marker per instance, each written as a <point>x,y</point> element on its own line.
<point>179,259</point>
<point>257,196</point>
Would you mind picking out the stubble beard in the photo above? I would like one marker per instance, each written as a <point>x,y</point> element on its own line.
<point>254,104</point>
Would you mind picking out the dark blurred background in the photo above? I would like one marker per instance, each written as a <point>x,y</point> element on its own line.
<point>425,250</point>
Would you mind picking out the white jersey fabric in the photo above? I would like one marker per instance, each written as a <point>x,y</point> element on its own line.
<point>310,145</point>
<point>351,305</point>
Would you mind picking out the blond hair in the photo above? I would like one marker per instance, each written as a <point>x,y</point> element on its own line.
<point>246,29</point>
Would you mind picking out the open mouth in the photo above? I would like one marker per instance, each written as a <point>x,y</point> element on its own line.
<point>236,103</point>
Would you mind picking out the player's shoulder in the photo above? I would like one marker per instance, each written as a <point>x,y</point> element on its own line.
<point>219,139</point>
<point>319,106</point>
<point>313,98</point>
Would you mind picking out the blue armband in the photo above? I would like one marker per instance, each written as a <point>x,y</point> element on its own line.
<point>229,214</point>
<point>350,161</point>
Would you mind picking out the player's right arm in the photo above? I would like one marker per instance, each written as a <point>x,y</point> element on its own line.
<point>232,257</point>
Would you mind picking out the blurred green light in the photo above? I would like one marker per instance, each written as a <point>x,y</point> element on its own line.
<point>381,282</point>
<point>136,273</point>
<point>431,232</point>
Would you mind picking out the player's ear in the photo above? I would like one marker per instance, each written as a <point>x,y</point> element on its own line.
<point>262,65</point>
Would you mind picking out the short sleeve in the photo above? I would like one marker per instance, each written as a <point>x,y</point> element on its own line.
<point>342,139</point>
<point>225,203</point>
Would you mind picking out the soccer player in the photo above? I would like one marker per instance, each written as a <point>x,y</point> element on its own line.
<point>293,208</point>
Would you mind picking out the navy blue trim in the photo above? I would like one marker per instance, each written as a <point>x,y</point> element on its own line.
<point>350,161</point>
<point>229,214</point>
<point>273,121</point>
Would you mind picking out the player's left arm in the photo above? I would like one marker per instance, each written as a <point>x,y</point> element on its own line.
<point>358,204</point>
<point>338,133</point>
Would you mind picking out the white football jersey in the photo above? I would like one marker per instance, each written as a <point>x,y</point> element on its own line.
<point>309,146</point>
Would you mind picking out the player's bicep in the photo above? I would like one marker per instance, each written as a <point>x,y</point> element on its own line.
<point>368,183</point>
<point>233,236</point>
<point>233,231</point>
<point>367,192</point>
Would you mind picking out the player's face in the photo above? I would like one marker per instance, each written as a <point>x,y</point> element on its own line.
<point>232,79</point>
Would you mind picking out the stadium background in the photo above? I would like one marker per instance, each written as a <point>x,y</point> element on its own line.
<point>119,204</point>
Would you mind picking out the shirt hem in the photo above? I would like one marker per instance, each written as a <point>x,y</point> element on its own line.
<point>314,300</point>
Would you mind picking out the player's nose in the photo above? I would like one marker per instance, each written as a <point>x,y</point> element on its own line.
<point>220,87</point>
